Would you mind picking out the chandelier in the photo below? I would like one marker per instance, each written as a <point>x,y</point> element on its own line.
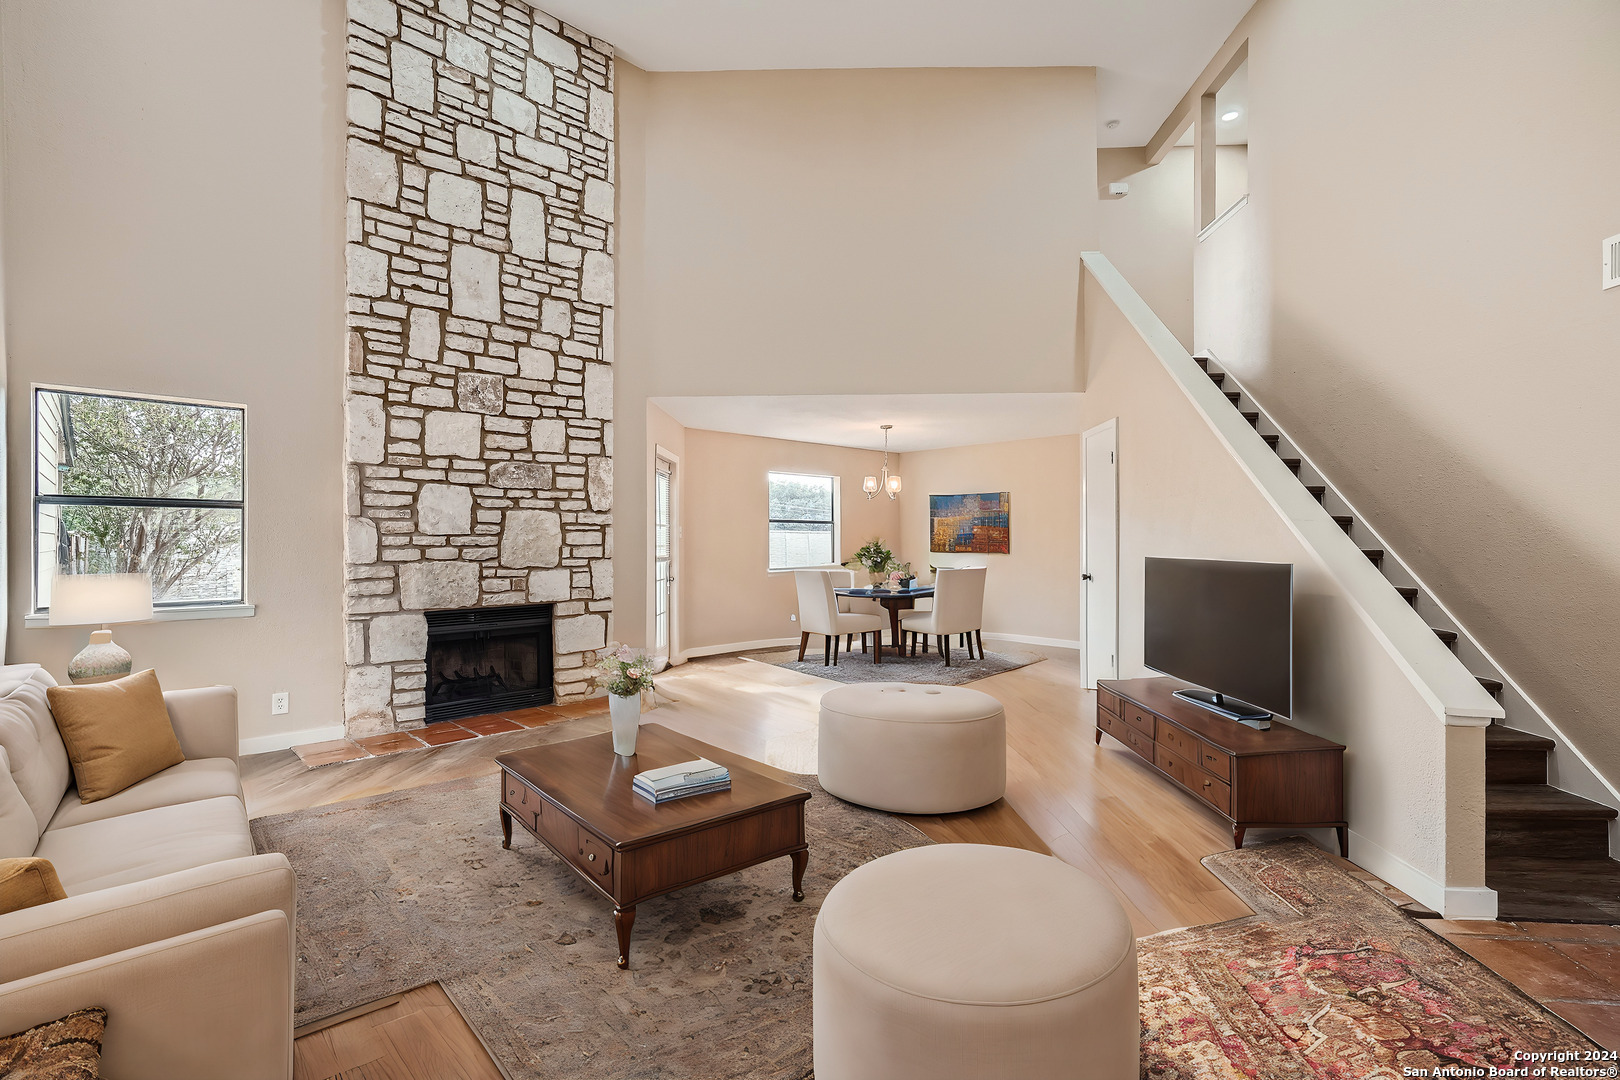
<point>872,484</point>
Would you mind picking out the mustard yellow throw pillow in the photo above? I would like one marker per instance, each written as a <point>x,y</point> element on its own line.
<point>26,883</point>
<point>117,733</point>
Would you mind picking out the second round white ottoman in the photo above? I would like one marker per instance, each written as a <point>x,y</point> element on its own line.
<point>912,749</point>
<point>966,962</point>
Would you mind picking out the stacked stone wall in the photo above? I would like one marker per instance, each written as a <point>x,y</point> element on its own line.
<point>480,290</point>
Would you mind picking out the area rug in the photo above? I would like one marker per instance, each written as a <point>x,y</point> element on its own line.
<point>857,667</point>
<point>402,889</point>
<point>1327,979</point>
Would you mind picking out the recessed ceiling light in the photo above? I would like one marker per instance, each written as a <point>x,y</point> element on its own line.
<point>1229,115</point>
<point>1111,125</point>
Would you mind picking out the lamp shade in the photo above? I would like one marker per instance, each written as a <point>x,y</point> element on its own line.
<point>869,485</point>
<point>99,599</point>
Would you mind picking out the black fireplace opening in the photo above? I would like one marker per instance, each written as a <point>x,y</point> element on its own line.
<point>485,660</point>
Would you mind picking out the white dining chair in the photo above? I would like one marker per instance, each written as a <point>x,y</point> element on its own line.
<point>958,609</point>
<point>819,614</point>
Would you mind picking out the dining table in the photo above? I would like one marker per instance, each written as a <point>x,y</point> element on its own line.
<point>895,600</point>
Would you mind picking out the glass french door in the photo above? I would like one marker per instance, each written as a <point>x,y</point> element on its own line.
<point>663,549</point>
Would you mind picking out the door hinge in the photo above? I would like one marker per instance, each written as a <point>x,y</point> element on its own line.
<point>1110,457</point>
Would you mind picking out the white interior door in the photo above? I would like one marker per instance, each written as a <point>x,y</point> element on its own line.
<point>1099,580</point>
<point>663,556</point>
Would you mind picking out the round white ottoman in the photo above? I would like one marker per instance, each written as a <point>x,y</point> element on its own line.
<point>965,961</point>
<point>912,749</point>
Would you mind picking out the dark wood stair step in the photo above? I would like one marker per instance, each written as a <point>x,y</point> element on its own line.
<point>1293,466</point>
<point>1253,418</point>
<point>1374,555</point>
<point>1542,822</point>
<point>1492,687</point>
<point>1317,491</point>
<point>1202,361</point>
<point>1512,738</point>
<point>1233,396</point>
<point>1218,378</point>
<point>1515,757</point>
<point>1555,890</point>
<point>1344,521</point>
<point>1272,440</point>
<point>1448,638</point>
<point>1539,802</point>
<point>1408,593</point>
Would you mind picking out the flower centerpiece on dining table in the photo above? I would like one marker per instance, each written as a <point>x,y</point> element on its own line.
<point>876,559</point>
<point>625,674</point>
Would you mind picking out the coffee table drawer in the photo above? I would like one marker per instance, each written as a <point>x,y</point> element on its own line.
<point>595,855</point>
<point>521,802</point>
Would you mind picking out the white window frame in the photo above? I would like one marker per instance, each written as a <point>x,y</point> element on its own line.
<point>837,520</point>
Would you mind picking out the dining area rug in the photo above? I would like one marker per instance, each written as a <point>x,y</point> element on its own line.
<point>930,669</point>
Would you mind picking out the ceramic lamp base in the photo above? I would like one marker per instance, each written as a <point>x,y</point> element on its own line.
<point>103,660</point>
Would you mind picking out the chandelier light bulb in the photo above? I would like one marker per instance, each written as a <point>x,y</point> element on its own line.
<point>883,482</point>
<point>870,485</point>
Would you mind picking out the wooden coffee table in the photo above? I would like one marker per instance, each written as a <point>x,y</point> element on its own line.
<point>575,797</point>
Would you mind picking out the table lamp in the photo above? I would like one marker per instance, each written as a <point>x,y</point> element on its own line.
<point>91,599</point>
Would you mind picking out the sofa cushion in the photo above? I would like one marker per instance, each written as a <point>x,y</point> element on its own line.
<point>189,781</point>
<point>19,830</point>
<point>147,844</point>
<point>36,758</point>
<point>117,733</point>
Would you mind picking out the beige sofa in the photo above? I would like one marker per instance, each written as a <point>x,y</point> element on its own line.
<point>171,922</point>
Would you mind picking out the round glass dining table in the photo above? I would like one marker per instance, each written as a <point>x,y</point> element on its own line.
<point>895,600</point>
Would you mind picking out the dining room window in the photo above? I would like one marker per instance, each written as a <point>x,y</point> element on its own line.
<point>803,520</point>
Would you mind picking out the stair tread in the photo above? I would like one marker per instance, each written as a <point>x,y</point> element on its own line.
<point>1497,736</point>
<point>1272,440</point>
<point>1375,554</point>
<point>1217,377</point>
<point>1344,521</point>
<point>1233,396</point>
<point>1555,890</point>
<point>1408,592</point>
<point>1543,802</point>
<point>1492,687</point>
<point>1447,636</point>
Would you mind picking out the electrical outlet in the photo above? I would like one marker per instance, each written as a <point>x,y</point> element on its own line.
<point>278,704</point>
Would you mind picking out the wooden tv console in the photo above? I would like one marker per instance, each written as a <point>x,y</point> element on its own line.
<point>1279,778</point>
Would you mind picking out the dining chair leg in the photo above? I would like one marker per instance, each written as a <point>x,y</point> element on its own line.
<point>967,639</point>
<point>864,636</point>
<point>979,636</point>
<point>826,651</point>
<point>849,642</point>
<point>835,650</point>
<point>804,640</point>
<point>945,648</point>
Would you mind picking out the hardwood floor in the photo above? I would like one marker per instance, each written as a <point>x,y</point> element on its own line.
<point>418,1035</point>
<point>1100,808</point>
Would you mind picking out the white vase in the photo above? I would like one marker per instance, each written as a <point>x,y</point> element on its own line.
<point>626,712</point>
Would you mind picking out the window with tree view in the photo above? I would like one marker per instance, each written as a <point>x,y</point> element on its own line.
<point>130,485</point>
<point>803,526</point>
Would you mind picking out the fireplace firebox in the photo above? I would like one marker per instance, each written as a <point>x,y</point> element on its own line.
<point>484,660</point>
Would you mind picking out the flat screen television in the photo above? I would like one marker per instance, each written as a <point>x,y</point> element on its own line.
<point>1227,627</point>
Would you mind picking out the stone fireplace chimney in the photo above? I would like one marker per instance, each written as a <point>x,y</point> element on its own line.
<point>480,290</point>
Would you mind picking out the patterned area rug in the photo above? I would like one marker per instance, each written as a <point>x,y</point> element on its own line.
<point>402,889</point>
<point>1327,979</point>
<point>857,667</point>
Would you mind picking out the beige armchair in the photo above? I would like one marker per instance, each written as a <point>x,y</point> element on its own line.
<point>819,614</point>
<point>958,609</point>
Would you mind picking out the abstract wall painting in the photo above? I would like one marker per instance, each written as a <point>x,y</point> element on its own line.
<point>977,523</point>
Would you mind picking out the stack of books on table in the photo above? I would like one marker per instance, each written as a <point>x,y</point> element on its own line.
<point>679,781</point>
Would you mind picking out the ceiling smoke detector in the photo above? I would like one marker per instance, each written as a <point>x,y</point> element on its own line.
<point>1111,125</point>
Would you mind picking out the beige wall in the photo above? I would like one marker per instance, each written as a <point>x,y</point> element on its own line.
<point>1033,590</point>
<point>1414,297</point>
<point>1182,494</point>
<point>842,231</point>
<point>728,594</point>
<point>173,214</point>
<point>1150,233</point>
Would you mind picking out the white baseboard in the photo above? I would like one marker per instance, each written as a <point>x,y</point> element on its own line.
<point>286,740</point>
<point>1026,639</point>
<point>1455,902</point>
<point>738,646</point>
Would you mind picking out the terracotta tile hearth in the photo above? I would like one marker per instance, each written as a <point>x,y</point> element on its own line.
<point>314,755</point>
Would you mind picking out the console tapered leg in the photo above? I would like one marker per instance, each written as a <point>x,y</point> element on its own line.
<point>506,828</point>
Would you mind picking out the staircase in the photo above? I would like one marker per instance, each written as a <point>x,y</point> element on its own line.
<point>1546,849</point>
